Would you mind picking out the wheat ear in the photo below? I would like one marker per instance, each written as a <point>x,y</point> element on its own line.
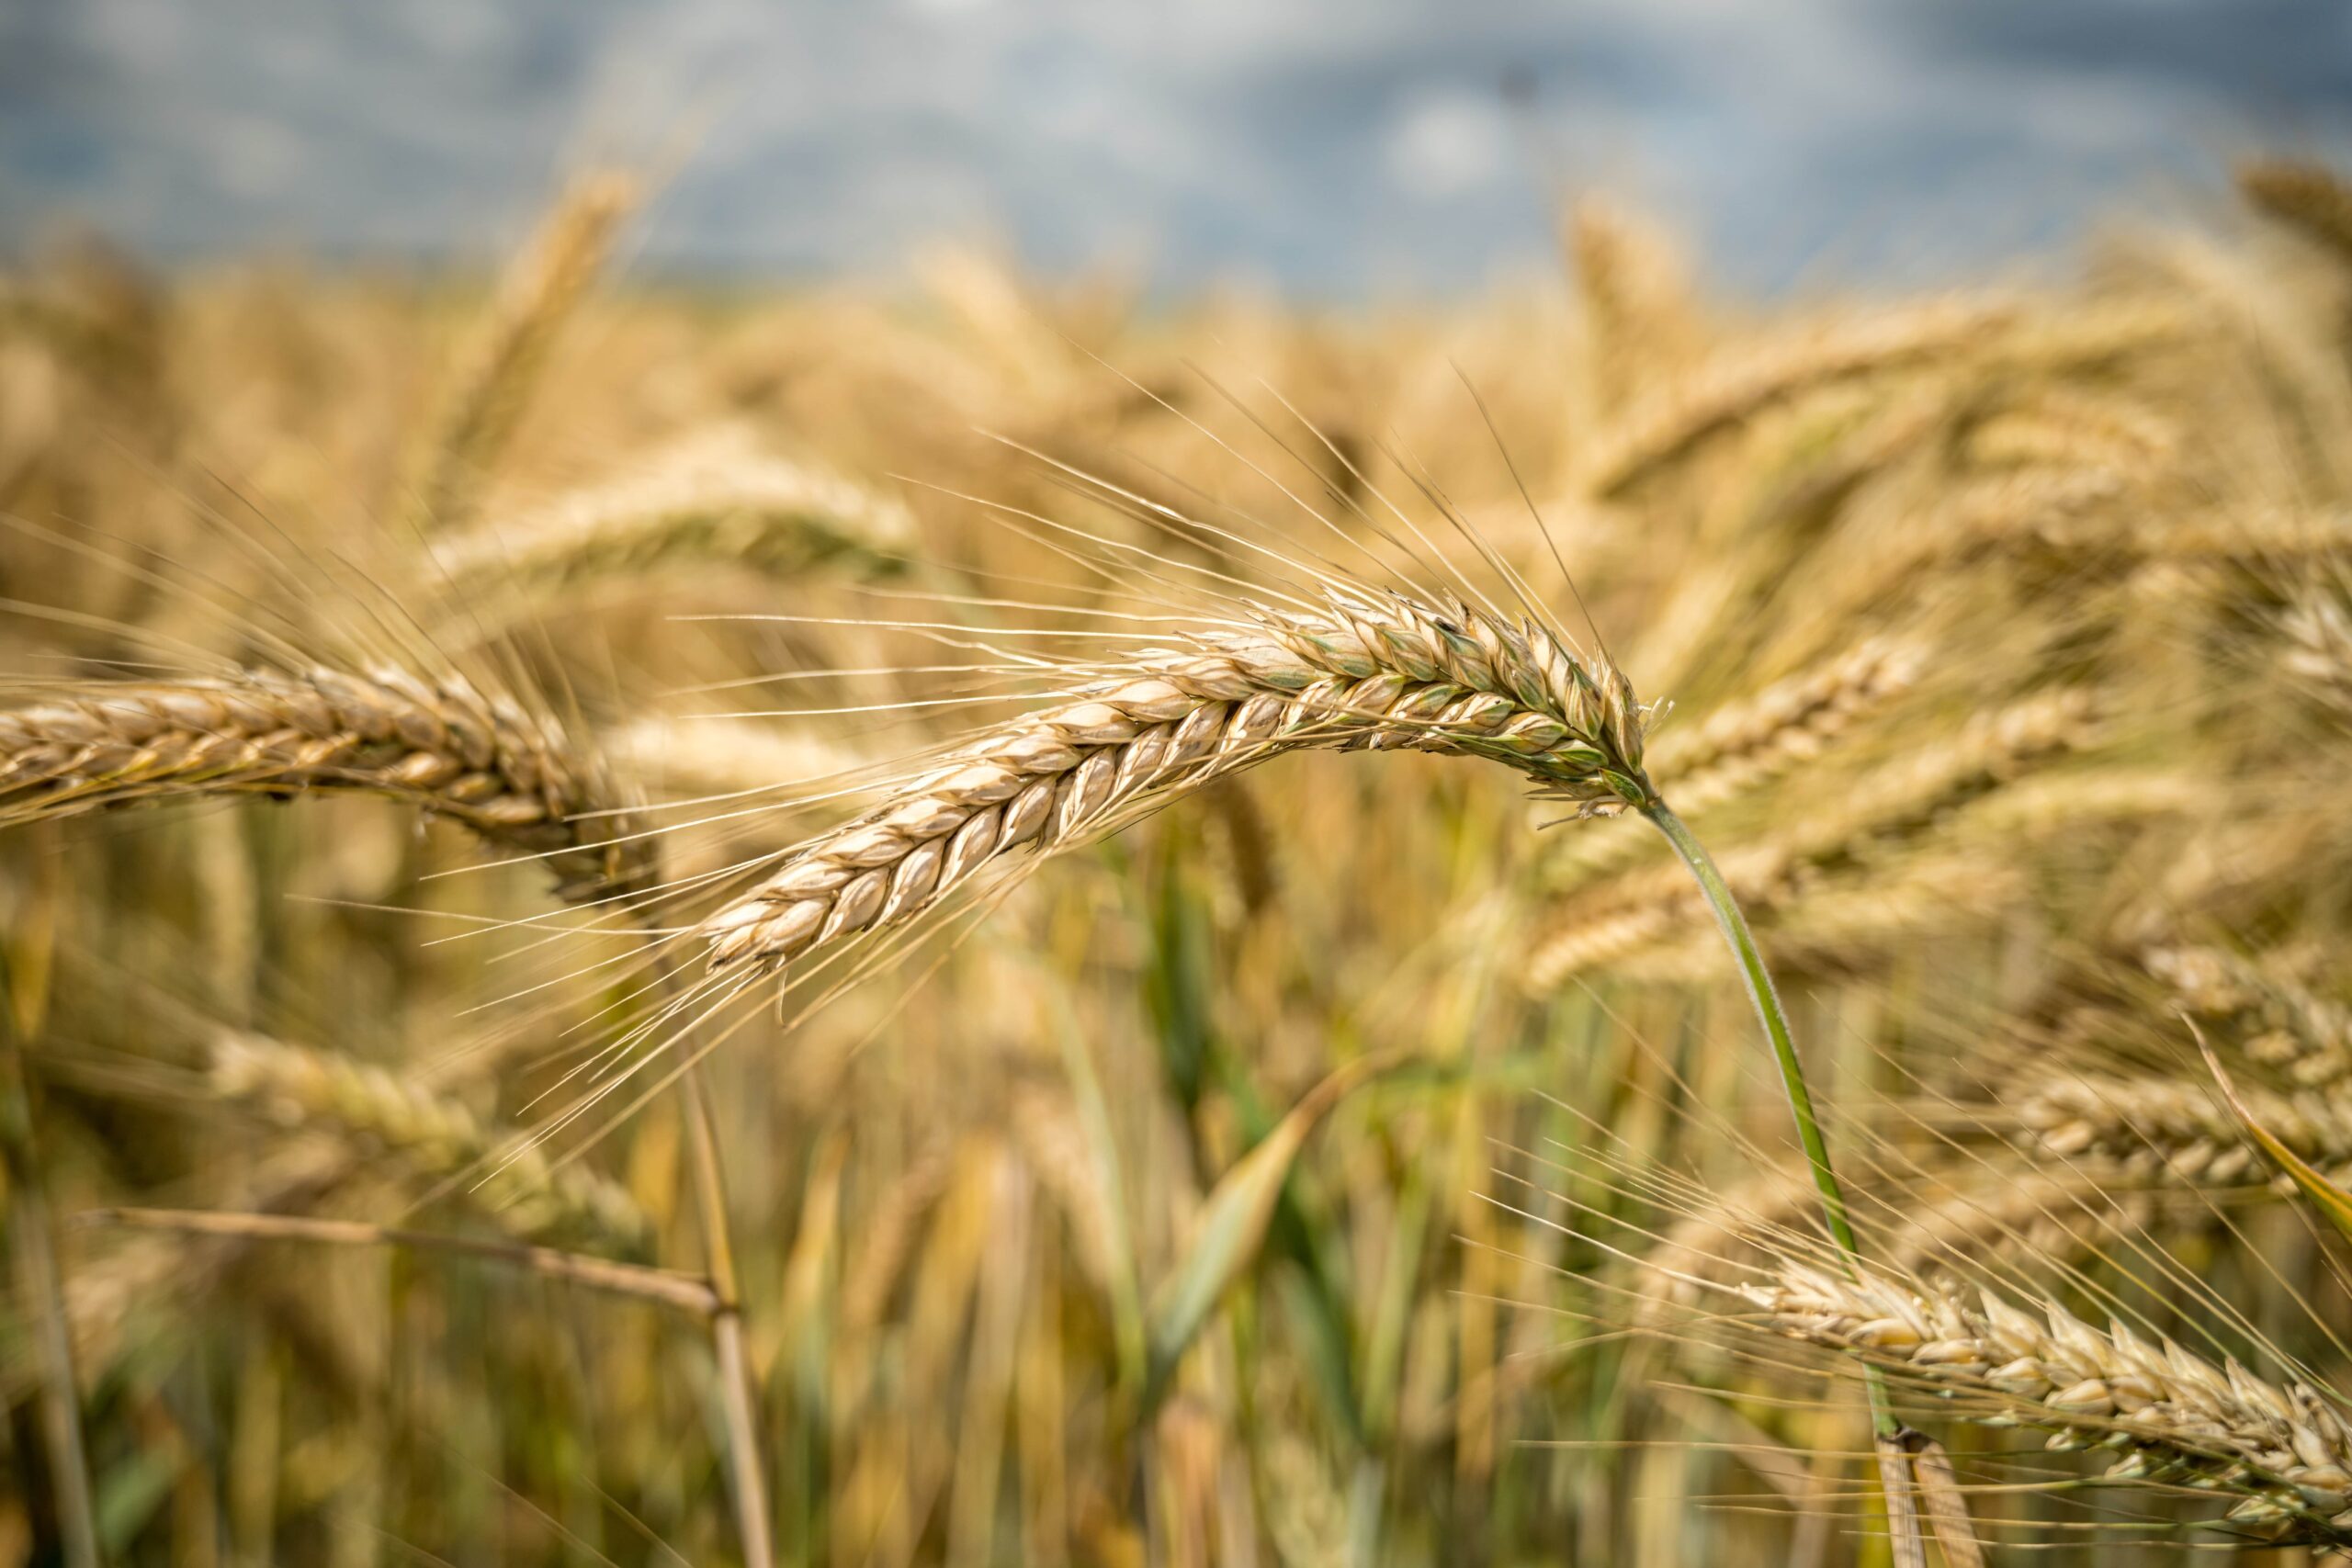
<point>1638,909</point>
<point>2284,1451</point>
<point>1678,417</point>
<point>297,1087</point>
<point>2305,198</point>
<point>487,395</point>
<point>2164,1124</point>
<point>443,745</point>
<point>1372,672</point>
<point>711,502</point>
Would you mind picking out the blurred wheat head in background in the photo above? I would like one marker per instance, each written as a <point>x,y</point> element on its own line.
<point>996,1078</point>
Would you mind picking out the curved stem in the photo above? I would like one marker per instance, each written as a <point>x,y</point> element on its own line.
<point>1760,991</point>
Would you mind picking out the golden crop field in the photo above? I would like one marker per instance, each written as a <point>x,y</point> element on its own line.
<point>983,921</point>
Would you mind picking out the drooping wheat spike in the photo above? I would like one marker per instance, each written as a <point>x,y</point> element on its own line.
<point>2317,652</point>
<point>2308,199</point>
<point>1371,672</point>
<point>1677,418</point>
<point>1824,930</point>
<point>299,1087</point>
<point>2178,1128</point>
<point>2279,1021</point>
<point>442,745</point>
<point>2284,1451</point>
<point>714,501</point>
<point>1746,745</point>
<point>1636,910</point>
<point>2061,428</point>
<point>493,381</point>
<point>1755,742</point>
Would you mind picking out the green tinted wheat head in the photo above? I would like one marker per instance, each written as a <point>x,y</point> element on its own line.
<point>300,1088</point>
<point>477,760</point>
<point>2284,1451</point>
<point>1371,672</point>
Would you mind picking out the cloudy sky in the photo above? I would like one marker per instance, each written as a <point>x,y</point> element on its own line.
<point>1333,148</point>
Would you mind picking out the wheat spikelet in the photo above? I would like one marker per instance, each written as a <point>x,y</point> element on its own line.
<point>1677,418</point>
<point>2283,1451</point>
<point>1372,672</point>
<point>2153,1125</point>
<point>300,1088</point>
<point>1634,911</point>
<point>487,395</point>
<point>714,500</point>
<point>477,760</point>
<point>2306,197</point>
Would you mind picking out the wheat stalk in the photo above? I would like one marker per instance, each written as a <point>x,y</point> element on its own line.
<point>1373,672</point>
<point>443,745</point>
<point>2283,1451</point>
<point>300,1088</point>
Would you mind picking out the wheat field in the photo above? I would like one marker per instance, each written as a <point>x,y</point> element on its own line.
<point>964,919</point>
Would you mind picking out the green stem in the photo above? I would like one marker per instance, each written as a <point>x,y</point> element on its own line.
<point>1760,991</point>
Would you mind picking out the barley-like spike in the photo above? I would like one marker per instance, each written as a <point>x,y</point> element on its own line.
<point>713,500</point>
<point>1678,417</point>
<point>1635,911</point>
<point>2282,1450</point>
<point>445,745</point>
<point>487,394</point>
<point>2178,1128</point>
<point>1376,672</point>
<point>301,1088</point>
<point>2279,1022</point>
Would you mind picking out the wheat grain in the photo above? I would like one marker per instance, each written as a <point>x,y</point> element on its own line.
<point>1377,673</point>
<point>2284,1451</point>
<point>445,745</point>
